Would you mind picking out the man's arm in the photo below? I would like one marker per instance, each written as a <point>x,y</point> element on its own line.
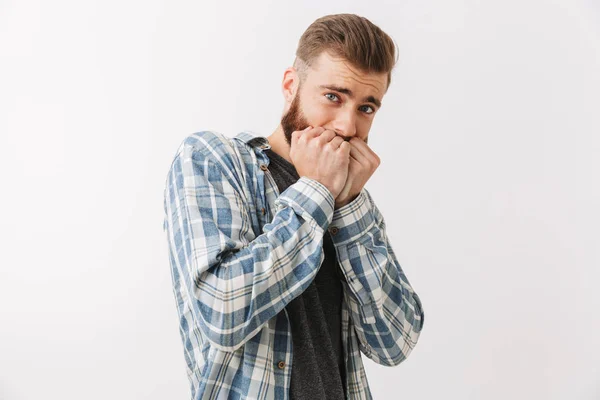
<point>386,311</point>
<point>234,280</point>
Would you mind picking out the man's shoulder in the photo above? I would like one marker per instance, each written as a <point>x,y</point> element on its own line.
<point>214,146</point>
<point>232,154</point>
<point>206,143</point>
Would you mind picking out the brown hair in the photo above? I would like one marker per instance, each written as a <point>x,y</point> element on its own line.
<point>351,37</point>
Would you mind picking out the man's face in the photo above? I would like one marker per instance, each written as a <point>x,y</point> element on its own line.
<point>336,96</point>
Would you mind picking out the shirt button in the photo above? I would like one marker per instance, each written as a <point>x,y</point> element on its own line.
<point>333,230</point>
<point>281,365</point>
<point>263,167</point>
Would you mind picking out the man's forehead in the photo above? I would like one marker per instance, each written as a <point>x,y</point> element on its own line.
<point>337,72</point>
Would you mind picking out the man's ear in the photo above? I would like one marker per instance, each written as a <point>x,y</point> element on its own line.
<point>289,85</point>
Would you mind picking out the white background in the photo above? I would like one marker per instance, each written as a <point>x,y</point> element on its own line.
<point>489,185</point>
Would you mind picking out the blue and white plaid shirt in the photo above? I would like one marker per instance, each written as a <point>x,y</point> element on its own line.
<point>240,251</point>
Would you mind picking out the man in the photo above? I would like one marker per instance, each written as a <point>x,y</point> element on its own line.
<point>282,270</point>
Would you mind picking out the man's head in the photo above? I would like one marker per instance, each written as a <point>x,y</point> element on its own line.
<point>342,70</point>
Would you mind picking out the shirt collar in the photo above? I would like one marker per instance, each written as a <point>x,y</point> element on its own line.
<point>253,139</point>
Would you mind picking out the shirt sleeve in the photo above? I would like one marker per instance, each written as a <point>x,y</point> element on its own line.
<point>387,313</point>
<point>234,280</point>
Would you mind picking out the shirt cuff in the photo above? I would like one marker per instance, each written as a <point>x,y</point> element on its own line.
<point>310,199</point>
<point>352,220</point>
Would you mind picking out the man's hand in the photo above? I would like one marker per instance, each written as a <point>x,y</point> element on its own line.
<point>363,163</point>
<point>320,154</point>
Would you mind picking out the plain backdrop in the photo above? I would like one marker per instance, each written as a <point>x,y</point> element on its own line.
<point>489,137</point>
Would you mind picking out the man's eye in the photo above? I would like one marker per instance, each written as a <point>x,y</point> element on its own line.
<point>332,95</point>
<point>369,107</point>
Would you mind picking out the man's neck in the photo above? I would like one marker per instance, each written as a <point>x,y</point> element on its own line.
<point>279,145</point>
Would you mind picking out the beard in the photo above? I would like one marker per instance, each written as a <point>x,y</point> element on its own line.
<point>293,120</point>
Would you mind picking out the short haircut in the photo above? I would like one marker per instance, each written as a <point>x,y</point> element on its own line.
<point>350,37</point>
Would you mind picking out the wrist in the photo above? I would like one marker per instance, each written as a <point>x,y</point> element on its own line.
<point>348,200</point>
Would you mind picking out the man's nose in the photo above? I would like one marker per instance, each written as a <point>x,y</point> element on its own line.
<point>345,125</point>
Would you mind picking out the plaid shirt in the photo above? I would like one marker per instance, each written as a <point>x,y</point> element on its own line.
<point>240,251</point>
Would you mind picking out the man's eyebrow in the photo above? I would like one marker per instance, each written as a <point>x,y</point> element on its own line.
<point>369,99</point>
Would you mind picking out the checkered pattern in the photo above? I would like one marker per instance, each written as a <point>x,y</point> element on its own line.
<point>240,251</point>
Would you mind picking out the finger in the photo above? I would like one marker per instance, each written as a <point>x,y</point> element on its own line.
<point>296,134</point>
<point>368,155</point>
<point>354,160</point>
<point>360,146</point>
<point>345,146</point>
<point>336,142</point>
<point>327,136</point>
<point>358,156</point>
<point>313,132</point>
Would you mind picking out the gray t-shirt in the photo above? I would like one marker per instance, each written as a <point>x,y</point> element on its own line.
<point>318,370</point>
